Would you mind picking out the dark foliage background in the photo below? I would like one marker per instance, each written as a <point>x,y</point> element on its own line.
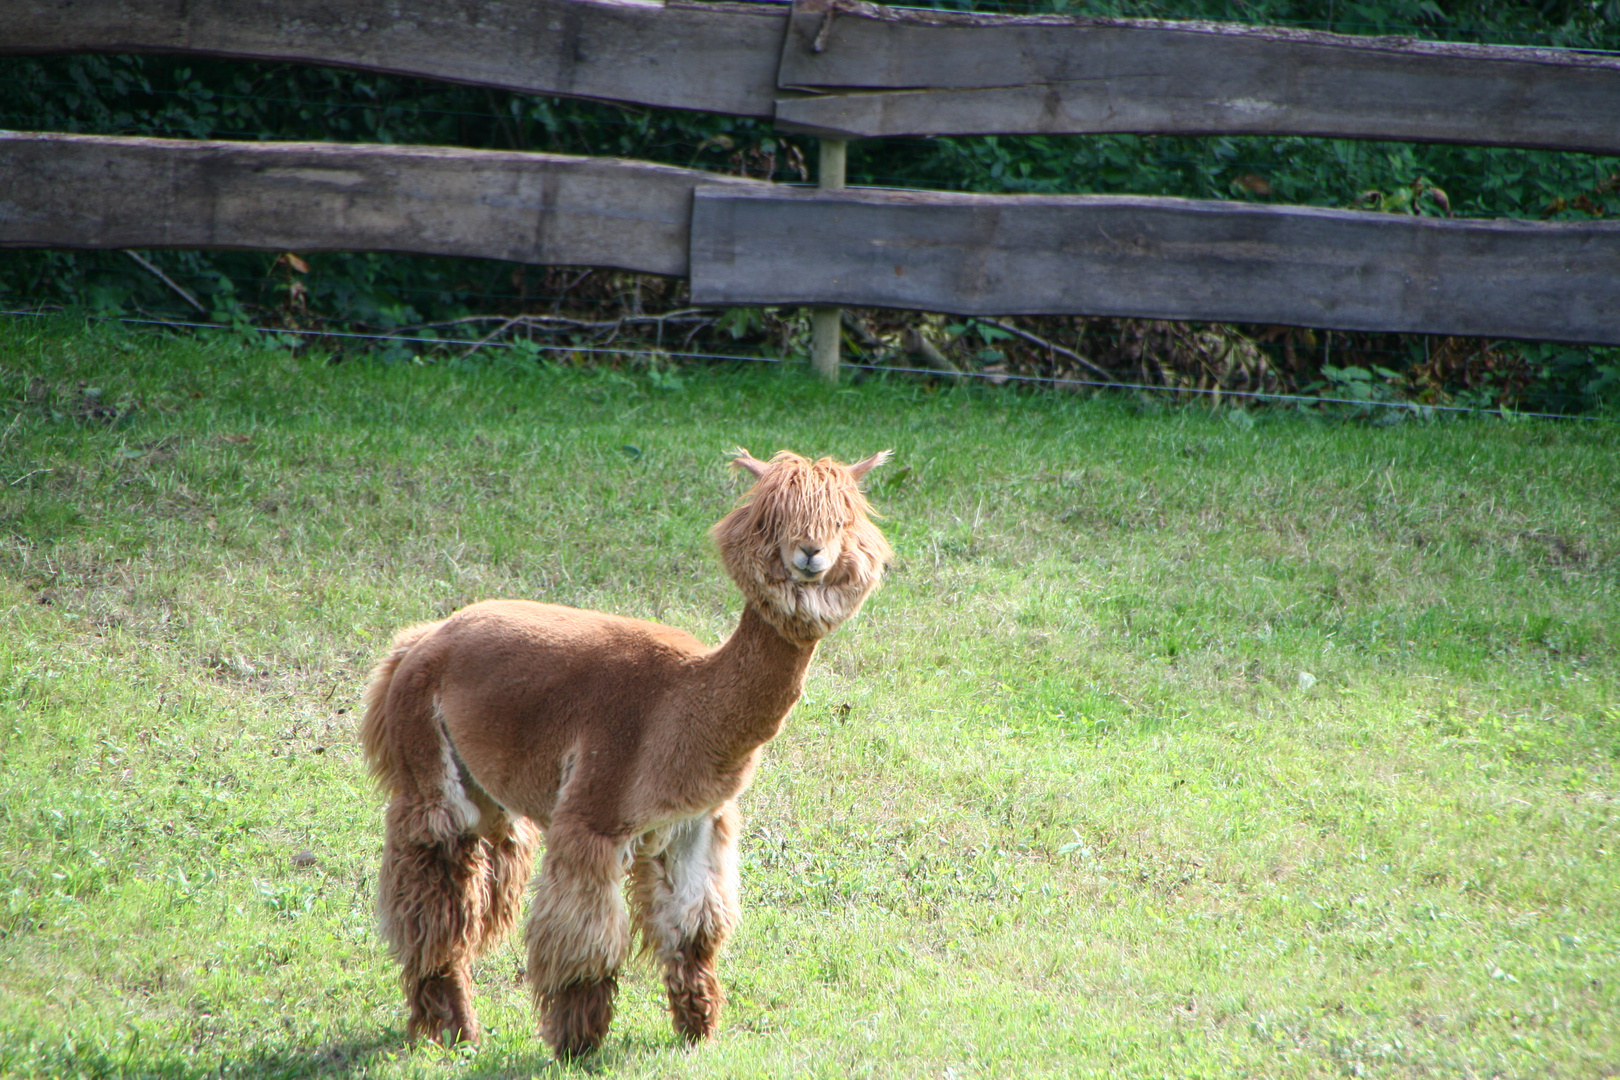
<point>402,295</point>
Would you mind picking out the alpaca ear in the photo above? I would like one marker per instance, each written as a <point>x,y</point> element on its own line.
<point>861,468</point>
<point>742,459</point>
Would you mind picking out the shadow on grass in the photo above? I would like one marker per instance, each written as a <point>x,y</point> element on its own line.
<point>356,1055</point>
<point>338,1058</point>
<point>618,1053</point>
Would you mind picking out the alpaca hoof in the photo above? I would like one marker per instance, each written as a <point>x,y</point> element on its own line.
<point>441,1012</point>
<point>695,998</point>
<point>696,1013</point>
<point>577,1017</point>
<point>453,1035</point>
<point>694,1028</point>
<point>573,1049</point>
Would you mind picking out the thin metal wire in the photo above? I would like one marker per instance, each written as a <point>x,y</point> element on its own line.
<point>423,341</point>
<point>403,336</point>
<point>1056,381</point>
<point>428,290</point>
<point>1059,381</point>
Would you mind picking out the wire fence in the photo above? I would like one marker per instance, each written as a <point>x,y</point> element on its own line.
<point>1063,383</point>
<point>398,109</point>
<point>513,299</point>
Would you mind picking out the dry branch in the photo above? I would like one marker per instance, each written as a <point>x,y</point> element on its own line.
<point>1049,346</point>
<point>185,294</point>
<point>919,347</point>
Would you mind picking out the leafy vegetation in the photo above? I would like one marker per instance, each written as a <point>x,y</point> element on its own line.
<point>1178,743</point>
<point>385,293</point>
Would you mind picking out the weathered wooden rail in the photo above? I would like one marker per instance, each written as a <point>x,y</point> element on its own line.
<point>750,242</point>
<point>848,69</point>
<point>1158,258</point>
<point>876,71</point>
<point>89,191</point>
<point>711,57</point>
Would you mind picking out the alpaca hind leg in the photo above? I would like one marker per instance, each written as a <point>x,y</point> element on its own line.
<point>510,865</point>
<point>687,908</point>
<point>433,901</point>
<point>578,935</point>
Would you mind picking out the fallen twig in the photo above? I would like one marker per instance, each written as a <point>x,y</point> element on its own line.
<point>611,328</point>
<point>924,350</point>
<point>26,475</point>
<point>868,340</point>
<point>1036,339</point>
<point>15,420</point>
<point>487,338</point>
<point>166,279</point>
<point>682,315</point>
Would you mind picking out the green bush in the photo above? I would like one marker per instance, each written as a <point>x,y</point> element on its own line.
<point>139,95</point>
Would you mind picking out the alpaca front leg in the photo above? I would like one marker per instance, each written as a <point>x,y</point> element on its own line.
<point>687,907</point>
<point>578,935</point>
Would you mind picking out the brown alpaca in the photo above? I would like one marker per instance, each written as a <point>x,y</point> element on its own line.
<point>624,742</point>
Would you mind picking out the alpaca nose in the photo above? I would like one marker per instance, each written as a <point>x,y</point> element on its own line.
<point>810,550</point>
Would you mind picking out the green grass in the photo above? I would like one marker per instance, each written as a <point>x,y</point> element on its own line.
<point>1177,744</point>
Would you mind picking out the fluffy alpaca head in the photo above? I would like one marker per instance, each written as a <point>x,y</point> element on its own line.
<point>802,546</point>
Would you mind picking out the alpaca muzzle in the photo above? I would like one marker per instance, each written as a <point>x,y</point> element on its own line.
<point>808,561</point>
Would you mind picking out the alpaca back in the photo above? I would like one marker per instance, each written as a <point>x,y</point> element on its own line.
<point>378,741</point>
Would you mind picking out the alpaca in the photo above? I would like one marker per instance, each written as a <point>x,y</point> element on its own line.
<point>623,743</point>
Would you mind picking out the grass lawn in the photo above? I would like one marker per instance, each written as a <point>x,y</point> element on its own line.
<point>1176,744</point>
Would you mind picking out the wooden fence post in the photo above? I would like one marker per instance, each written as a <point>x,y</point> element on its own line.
<point>826,330</point>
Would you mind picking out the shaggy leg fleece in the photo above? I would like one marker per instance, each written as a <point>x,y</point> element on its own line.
<point>510,865</point>
<point>686,907</point>
<point>578,935</point>
<point>695,994</point>
<point>576,1018</point>
<point>433,902</point>
<point>442,1009</point>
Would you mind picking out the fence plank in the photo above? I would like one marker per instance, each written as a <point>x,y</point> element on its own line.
<point>1159,258</point>
<point>889,72</point>
<point>86,191</point>
<point>714,57</point>
<point>877,71</point>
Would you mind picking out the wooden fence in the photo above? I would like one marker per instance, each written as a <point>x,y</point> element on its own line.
<point>846,70</point>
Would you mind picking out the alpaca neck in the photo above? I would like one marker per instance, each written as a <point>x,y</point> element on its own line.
<point>753,681</point>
